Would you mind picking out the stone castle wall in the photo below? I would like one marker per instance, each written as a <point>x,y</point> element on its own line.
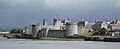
<point>51,33</point>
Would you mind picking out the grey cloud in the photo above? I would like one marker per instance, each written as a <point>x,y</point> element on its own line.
<point>30,11</point>
<point>21,3</point>
<point>79,3</point>
<point>84,7</point>
<point>59,4</point>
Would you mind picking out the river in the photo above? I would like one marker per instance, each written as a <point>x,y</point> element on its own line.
<point>41,44</point>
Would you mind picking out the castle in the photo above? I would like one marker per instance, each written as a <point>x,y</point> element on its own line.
<point>65,28</point>
<point>60,28</point>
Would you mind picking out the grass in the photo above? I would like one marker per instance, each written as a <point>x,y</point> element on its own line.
<point>61,39</point>
<point>87,33</point>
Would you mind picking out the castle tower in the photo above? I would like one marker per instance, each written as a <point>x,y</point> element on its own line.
<point>45,22</point>
<point>35,29</point>
<point>57,22</point>
<point>71,28</point>
<point>28,30</point>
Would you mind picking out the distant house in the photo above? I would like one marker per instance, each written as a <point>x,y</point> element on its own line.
<point>100,24</point>
<point>115,22</point>
<point>114,26</point>
<point>116,33</point>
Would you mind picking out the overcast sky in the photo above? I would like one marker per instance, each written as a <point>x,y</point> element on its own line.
<point>24,12</point>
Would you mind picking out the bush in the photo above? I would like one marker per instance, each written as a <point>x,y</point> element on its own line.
<point>16,30</point>
<point>102,31</point>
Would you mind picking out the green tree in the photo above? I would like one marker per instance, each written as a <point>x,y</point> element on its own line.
<point>16,30</point>
<point>103,31</point>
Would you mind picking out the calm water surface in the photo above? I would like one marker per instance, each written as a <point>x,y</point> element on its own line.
<point>38,44</point>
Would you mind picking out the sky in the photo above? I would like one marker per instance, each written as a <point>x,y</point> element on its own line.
<point>21,13</point>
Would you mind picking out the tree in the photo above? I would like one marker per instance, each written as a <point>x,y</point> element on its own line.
<point>103,31</point>
<point>16,30</point>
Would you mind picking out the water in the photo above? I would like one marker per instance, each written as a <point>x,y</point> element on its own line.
<point>39,44</point>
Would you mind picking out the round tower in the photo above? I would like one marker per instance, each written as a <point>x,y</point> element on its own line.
<point>71,28</point>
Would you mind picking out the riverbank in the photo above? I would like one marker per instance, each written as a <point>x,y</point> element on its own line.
<point>72,38</point>
<point>61,39</point>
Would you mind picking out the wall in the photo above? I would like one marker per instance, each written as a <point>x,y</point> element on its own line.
<point>39,34</point>
<point>51,33</point>
<point>83,29</point>
<point>56,33</point>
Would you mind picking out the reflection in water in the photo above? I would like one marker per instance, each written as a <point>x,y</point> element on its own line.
<point>40,44</point>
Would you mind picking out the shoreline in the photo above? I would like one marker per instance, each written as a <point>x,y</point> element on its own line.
<point>61,39</point>
<point>69,39</point>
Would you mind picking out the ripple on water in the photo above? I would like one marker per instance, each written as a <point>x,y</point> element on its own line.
<point>40,44</point>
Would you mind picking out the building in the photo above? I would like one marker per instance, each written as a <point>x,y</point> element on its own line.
<point>114,26</point>
<point>65,28</point>
<point>84,26</point>
<point>60,28</point>
<point>115,22</point>
<point>99,25</point>
<point>116,33</point>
